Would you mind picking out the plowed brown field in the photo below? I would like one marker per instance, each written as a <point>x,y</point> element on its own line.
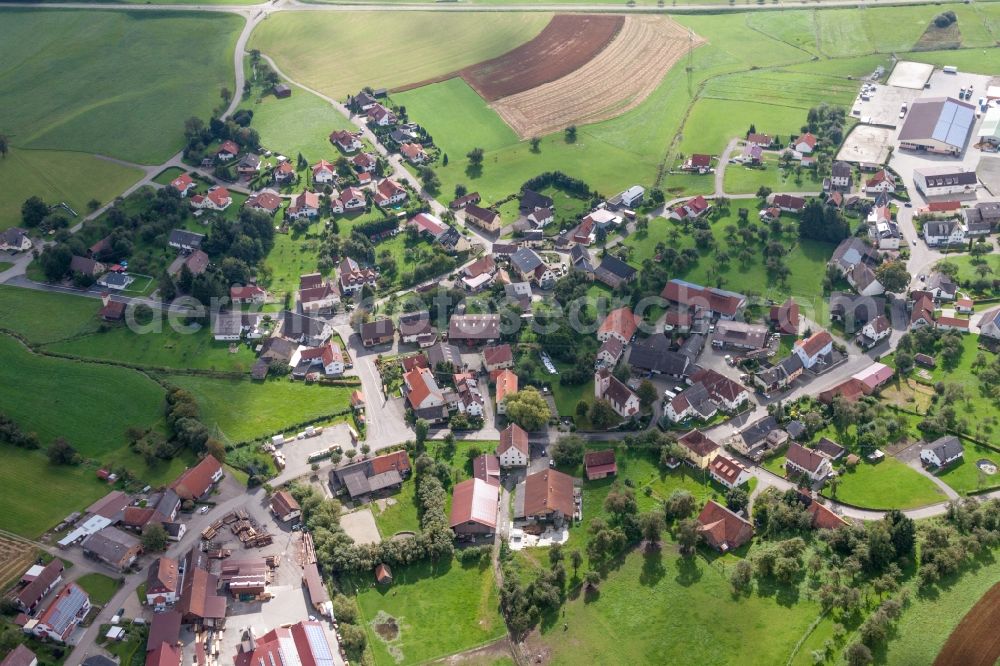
<point>975,641</point>
<point>566,43</point>
<point>616,80</point>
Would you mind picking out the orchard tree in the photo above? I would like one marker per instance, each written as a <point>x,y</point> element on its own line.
<point>528,409</point>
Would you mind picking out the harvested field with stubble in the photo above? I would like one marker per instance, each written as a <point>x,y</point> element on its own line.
<point>615,81</point>
<point>975,641</point>
<point>17,556</point>
<point>567,43</point>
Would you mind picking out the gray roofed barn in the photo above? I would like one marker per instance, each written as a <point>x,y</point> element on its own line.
<point>614,272</point>
<point>185,240</point>
<point>654,355</point>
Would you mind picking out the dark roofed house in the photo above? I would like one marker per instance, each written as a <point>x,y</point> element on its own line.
<point>785,317</point>
<point>599,464</point>
<point>21,655</point>
<point>444,354</point>
<point>722,529</point>
<point>199,603</point>
<point>29,596</point>
<point>614,272</point>
<point>810,462</point>
<point>654,355</point>
<point>531,201</point>
<point>474,329</point>
<point>368,476</point>
<point>717,302</point>
<point>378,332</point>
<point>942,451</point>
<point>185,240</point>
<point>487,468</point>
<point>113,547</point>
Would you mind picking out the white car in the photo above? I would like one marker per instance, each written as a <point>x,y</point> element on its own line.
<point>204,509</point>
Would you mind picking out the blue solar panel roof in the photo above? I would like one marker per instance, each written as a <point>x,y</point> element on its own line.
<point>954,123</point>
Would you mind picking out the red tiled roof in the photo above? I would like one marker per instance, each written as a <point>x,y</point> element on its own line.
<point>397,461</point>
<point>498,354</point>
<point>814,343</point>
<point>506,384</point>
<point>228,147</point>
<point>722,528</point>
<point>514,436</point>
<point>727,468</point>
<point>548,491</point>
<point>698,442</point>
<point>599,459</point>
<point>620,322</point>
<point>195,482</point>
<point>182,182</point>
<point>475,500</point>
<point>807,459</point>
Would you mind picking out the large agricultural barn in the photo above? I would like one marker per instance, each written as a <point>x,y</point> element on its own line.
<point>938,125</point>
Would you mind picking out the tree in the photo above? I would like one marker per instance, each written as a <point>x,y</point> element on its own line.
<point>154,538</point>
<point>737,499</point>
<point>4,145</point>
<point>688,536</point>
<point>420,429</point>
<point>763,192</point>
<point>353,638</point>
<point>581,408</point>
<point>62,453</point>
<point>576,559</point>
<point>226,94</point>
<point>216,449</point>
<point>651,525</point>
<point>602,414</point>
<point>535,143</point>
<point>528,409</point>
<point>460,190</point>
<point>555,554</point>
<point>647,393</point>
<point>893,276</point>
<point>571,134</point>
<point>33,211</point>
<point>593,579</point>
<point>741,576</point>
<point>55,261</point>
<point>858,654</point>
<point>679,505</point>
<point>568,451</point>
<point>475,156</point>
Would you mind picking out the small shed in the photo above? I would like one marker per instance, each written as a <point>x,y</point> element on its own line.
<point>282,90</point>
<point>383,574</point>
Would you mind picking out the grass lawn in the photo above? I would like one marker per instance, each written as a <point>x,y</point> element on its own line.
<point>264,407</point>
<point>457,117</point>
<point>806,260</point>
<point>889,484</point>
<point>402,515</point>
<point>743,180</point>
<point>965,476</point>
<point>292,255</point>
<point>90,405</point>
<point>56,176</point>
<point>164,349</point>
<point>38,495</point>
<point>441,608</point>
<point>130,101</point>
<point>167,176</point>
<point>100,587</point>
<point>967,269</point>
<point>663,609</point>
<point>930,618</point>
<point>386,50</point>
<point>298,124</point>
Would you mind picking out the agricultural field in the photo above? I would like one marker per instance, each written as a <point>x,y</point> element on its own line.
<point>37,495</point>
<point>408,48</point>
<point>129,102</point>
<point>885,485</point>
<point>58,176</point>
<point>431,610</point>
<point>42,317</point>
<point>16,556</point>
<point>93,404</point>
<point>974,641</point>
<point>263,408</point>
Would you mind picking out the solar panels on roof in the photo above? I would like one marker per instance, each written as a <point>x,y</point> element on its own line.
<point>320,647</point>
<point>954,123</point>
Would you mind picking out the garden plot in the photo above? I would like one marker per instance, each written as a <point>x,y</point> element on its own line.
<point>907,74</point>
<point>866,143</point>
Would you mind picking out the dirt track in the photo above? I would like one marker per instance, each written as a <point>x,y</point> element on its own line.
<point>620,77</point>
<point>975,641</point>
<point>566,44</point>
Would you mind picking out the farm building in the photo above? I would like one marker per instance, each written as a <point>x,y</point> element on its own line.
<point>937,125</point>
<point>475,508</point>
<point>600,464</point>
<point>722,529</point>
<point>195,482</point>
<point>284,506</point>
<point>546,496</point>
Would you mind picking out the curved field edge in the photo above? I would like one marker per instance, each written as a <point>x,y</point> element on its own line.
<point>129,101</point>
<point>338,54</point>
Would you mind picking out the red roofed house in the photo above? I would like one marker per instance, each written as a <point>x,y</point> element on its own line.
<point>812,463</point>
<point>164,654</point>
<point>266,200</point>
<point>304,643</point>
<point>227,151</point>
<point>383,574</point>
<point>350,199</point>
<point>722,529</point>
<point>20,656</point>
<point>965,305</point>
<point>621,398</point>
<point>498,357</point>
<point>66,611</point>
<point>816,346</point>
<point>881,182</point>
<point>183,184</point>
<point>785,317</point>
<point>305,204</point>
<point>111,310</point>
<point>788,203</point>
<point>354,277</point>
<point>685,296</point>
<point>822,517</point>
<point>381,116</point>
<point>762,140</point>
<point>364,162</point>
<point>621,324</point>
<point>548,497</point>
<point>421,389</point>
<point>346,141</point>
<point>482,217</point>
<point>389,192</point>
<point>600,464</point>
<point>475,508</point>
<point>284,506</point>
<point>513,449</point>
<point>250,293</point>
<point>284,173</point>
<point>699,448</point>
<point>414,153</point>
<point>324,172</point>
<point>728,472</point>
<point>163,583</point>
<point>805,144</point>
<point>217,199</point>
<point>698,162</point>
<point>195,482</point>
<point>506,384</point>
<point>953,324</point>
<point>691,209</point>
